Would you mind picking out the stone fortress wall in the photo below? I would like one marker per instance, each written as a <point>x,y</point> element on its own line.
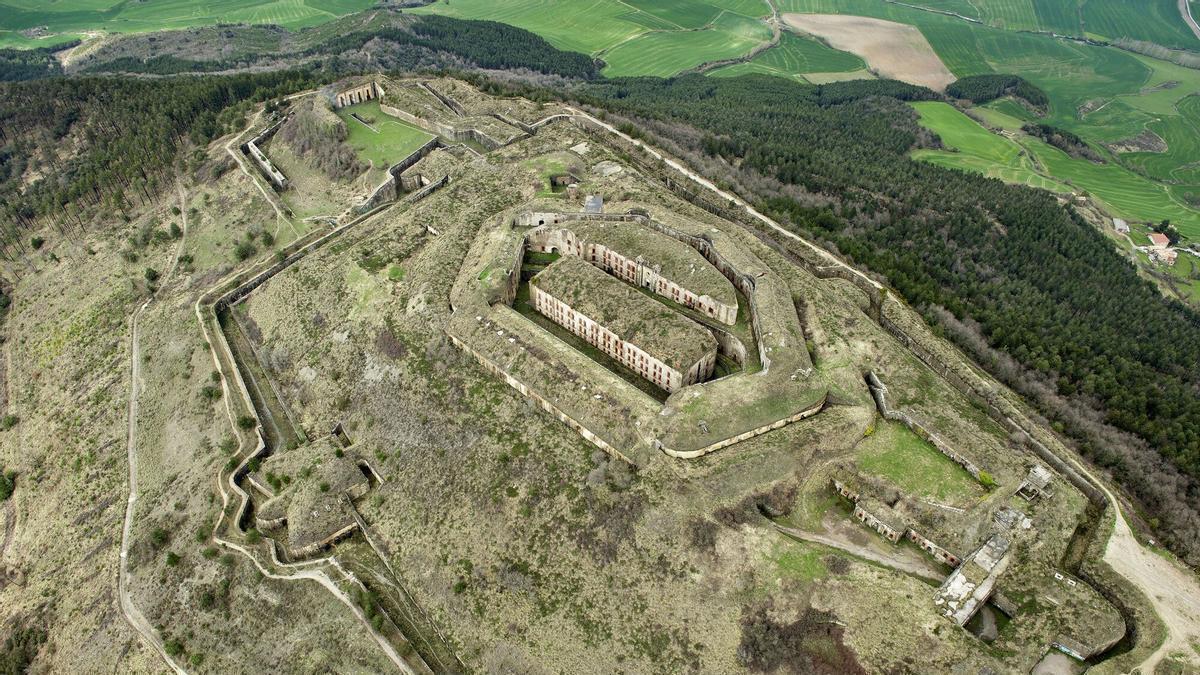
<point>272,173</point>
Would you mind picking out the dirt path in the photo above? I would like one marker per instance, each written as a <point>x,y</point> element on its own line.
<point>132,614</point>
<point>892,50</point>
<point>1185,8</point>
<point>898,564</point>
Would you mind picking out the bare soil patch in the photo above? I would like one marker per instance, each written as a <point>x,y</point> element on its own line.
<point>892,50</point>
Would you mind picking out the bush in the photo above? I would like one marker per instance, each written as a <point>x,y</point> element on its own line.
<point>36,242</point>
<point>247,422</point>
<point>210,392</point>
<point>159,538</point>
<point>244,250</point>
<point>8,483</point>
<point>172,558</point>
<point>986,480</point>
<point>151,274</point>
<point>9,422</point>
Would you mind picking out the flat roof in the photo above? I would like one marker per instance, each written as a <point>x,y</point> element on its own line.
<point>666,335</point>
<point>672,258</point>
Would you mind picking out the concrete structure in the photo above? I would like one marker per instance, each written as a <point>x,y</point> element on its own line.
<point>888,521</point>
<point>640,257</point>
<point>661,346</point>
<point>879,517</point>
<point>1120,225</point>
<point>359,94</point>
<point>593,204</point>
<point>1036,483</point>
<point>972,583</point>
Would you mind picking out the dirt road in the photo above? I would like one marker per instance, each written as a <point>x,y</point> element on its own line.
<point>1185,9</point>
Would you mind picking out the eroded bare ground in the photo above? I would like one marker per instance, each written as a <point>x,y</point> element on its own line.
<point>527,548</point>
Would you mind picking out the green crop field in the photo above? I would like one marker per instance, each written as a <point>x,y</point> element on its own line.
<point>130,17</point>
<point>916,467</point>
<point>665,53</point>
<point>795,56</point>
<point>386,141</point>
<point>970,147</point>
<point>1156,21</point>
<point>1027,160</point>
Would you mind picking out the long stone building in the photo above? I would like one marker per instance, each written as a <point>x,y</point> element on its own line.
<point>660,345</point>
<point>643,258</point>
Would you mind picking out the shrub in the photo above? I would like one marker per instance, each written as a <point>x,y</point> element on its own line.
<point>172,558</point>
<point>36,242</point>
<point>159,537</point>
<point>244,250</point>
<point>247,422</point>
<point>9,422</point>
<point>986,480</point>
<point>151,274</point>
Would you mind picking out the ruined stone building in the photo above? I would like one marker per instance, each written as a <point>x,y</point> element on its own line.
<point>643,335</point>
<point>642,258</point>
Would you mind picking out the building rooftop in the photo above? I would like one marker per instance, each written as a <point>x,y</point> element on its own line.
<point>670,257</point>
<point>632,316</point>
<point>1159,239</point>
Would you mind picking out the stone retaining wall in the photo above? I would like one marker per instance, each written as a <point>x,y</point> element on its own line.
<point>879,393</point>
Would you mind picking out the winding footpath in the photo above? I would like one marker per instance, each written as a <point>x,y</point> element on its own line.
<point>130,611</point>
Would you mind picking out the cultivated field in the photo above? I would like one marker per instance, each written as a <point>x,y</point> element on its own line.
<point>135,17</point>
<point>796,57</point>
<point>891,49</point>
<point>1021,158</point>
<point>634,38</point>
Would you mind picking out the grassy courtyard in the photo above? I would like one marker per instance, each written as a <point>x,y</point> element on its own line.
<point>898,455</point>
<point>383,140</point>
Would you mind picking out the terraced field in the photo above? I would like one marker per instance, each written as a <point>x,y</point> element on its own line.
<point>970,147</point>
<point>665,53</point>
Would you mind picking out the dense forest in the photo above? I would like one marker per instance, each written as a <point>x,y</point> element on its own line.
<point>1036,293</point>
<point>984,88</point>
<point>30,64</point>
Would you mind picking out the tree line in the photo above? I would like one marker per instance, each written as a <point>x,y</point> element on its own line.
<point>983,88</point>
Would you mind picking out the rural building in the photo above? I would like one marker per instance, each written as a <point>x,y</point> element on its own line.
<point>360,94</point>
<point>1121,226</point>
<point>640,333</point>
<point>880,517</point>
<point>1159,240</point>
<point>643,258</point>
<point>1036,483</point>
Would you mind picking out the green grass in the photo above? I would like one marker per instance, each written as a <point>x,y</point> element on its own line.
<point>916,467</point>
<point>798,560</point>
<point>132,17</point>
<point>1156,21</point>
<point>970,147</point>
<point>669,52</point>
<point>389,142</point>
<point>794,56</point>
